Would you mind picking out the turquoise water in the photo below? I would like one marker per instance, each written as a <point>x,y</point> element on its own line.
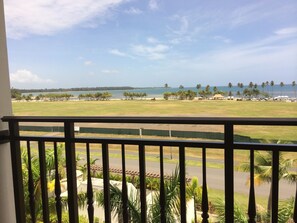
<point>287,90</point>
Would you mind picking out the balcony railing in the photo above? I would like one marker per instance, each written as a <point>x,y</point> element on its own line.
<point>228,145</point>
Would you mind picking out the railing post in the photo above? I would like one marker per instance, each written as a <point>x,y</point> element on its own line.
<point>43,181</point>
<point>89,187</point>
<point>252,201</point>
<point>124,187</point>
<point>162,188</point>
<point>57,185</point>
<point>17,172</point>
<point>204,203</point>
<point>182,167</point>
<point>275,186</point>
<point>142,174</point>
<point>106,188</point>
<point>229,173</point>
<point>295,206</point>
<point>71,172</point>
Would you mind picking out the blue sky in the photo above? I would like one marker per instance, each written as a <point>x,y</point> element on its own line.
<point>141,43</point>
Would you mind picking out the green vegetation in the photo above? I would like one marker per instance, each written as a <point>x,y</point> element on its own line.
<point>54,97</point>
<point>75,89</point>
<point>160,108</point>
<point>15,93</point>
<point>99,96</point>
<point>263,171</point>
<point>133,95</point>
<point>172,201</point>
<point>180,95</point>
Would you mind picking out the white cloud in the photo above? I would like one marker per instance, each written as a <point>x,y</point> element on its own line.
<point>153,53</point>
<point>25,76</point>
<point>222,38</point>
<point>153,5</point>
<point>287,31</point>
<point>152,40</point>
<point>88,63</point>
<point>253,61</point>
<point>117,53</point>
<point>133,11</point>
<point>46,17</point>
<point>110,71</point>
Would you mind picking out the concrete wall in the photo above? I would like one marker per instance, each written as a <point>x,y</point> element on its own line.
<point>7,210</point>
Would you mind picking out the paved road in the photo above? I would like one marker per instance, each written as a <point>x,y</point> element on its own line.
<point>215,176</point>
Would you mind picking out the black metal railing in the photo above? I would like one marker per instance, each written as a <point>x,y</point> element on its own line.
<point>228,145</point>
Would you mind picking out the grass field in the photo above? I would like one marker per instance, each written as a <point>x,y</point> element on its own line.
<point>158,108</point>
<point>174,108</point>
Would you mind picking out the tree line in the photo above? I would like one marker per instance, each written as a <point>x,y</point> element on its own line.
<point>98,96</point>
<point>180,95</point>
<point>133,95</point>
<point>75,89</point>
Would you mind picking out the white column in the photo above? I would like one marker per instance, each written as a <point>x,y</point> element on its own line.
<point>7,209</point>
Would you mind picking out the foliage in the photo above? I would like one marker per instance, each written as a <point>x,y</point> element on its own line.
<point>117,205</point>
<point>132,95</point>
<point>286,211</point>
<point>98,96</point>
<point>15,93</point>
<point>180,95</point>
<point>251,92</point>
<point>171,189</point>
<point>50,166</point>
<point>239,214</point>
<point>263,170</point>
<point>54,97</point>
<point>206,92</point>
<point>194,190</point>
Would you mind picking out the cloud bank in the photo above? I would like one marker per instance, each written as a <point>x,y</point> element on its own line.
<point>24,76</point>
<point>47,17</point>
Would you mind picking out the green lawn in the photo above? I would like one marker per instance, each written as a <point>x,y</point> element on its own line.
<point>174,108</point>
<point>159,108</point>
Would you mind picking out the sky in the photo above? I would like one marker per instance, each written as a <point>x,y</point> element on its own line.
<point>147,43</point>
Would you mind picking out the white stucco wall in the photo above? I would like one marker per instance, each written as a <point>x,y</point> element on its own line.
<point>7,211</point>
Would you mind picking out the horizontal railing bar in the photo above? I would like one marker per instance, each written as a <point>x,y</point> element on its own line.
<point>149,142</point>
<point>265,146</point>
<point>156,120</point>
<point>158,142</point>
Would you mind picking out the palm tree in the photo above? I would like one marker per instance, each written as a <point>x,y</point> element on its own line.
<point>281,85</point>
<point>230,85</point>
<point>251,85</point>
<point>272,84</point>
<point>198,86</point>
<point>172,204</point>
<point>263,85</point>
<point>263,171</point>
<point>294,86</point>
<point>36,180</point>
<point>267,85</point>
<point>239,213</point>
<point>240,85</point>
<point>286,211</point>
